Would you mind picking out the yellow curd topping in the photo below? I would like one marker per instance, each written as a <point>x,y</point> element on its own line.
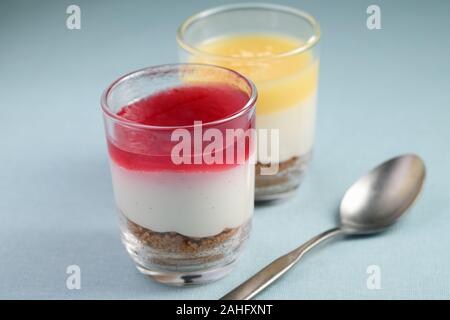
<point>282,81</point>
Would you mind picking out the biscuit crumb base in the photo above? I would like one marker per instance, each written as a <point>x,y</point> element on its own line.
<point>279,178</point>
<point>176,243</point>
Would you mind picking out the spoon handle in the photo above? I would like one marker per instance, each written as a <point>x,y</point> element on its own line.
<point>276,269</point>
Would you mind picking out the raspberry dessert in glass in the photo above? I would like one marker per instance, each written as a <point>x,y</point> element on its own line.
<point>180,140</point>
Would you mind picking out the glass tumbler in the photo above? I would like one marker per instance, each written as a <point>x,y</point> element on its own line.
<point>182,164</point>
<point>277,48</point>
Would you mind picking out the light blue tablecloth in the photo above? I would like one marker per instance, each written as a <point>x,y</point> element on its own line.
<point>382,93</point>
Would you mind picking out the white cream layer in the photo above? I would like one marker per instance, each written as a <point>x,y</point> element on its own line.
<point>194,204</point>
<point>296,130</point>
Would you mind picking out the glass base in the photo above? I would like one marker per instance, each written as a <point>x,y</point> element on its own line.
<point>174,259</point>
<point>283,184</point>
<point>187,278</point>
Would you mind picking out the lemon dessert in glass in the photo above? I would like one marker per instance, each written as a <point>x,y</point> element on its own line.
<point>276,47</point>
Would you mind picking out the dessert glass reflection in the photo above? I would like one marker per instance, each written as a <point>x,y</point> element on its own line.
<point>276,47</point>
<point>185,206</point>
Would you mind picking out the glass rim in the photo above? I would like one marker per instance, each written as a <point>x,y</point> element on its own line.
<point>152,69</point>
<point>311,42</point>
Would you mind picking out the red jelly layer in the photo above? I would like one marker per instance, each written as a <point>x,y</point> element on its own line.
<point>149,149</point>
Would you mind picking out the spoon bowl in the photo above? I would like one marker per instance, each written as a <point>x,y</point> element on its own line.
<point>382,196</point>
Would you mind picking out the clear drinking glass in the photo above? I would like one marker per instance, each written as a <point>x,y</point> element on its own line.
<point>276,47</point>
<point>182,223</point>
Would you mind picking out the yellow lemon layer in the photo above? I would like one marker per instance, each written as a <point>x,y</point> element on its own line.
<point>282,81</point>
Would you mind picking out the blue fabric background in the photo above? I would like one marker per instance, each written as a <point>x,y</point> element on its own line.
<point>382,93</point>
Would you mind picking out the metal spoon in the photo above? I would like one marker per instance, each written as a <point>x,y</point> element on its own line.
<point>372,204</point>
